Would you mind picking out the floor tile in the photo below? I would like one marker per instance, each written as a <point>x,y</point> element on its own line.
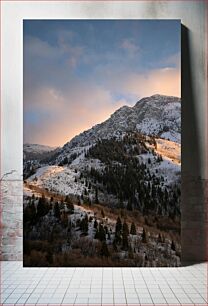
<point>128,286</point>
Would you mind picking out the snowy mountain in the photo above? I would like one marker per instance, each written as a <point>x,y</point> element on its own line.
<point>37,148</point>
<point>127,168</point>
<point>146,136</point>
<point>157,115</point>
<point>35,151</point>
<point>35,155</point>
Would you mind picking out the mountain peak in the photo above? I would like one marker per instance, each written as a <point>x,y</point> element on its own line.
<point>158,116</point>
<point>157,98</point>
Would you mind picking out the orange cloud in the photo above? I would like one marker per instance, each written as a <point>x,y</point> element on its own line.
<point>83,104</point>
<point>79,110</point>
<point>166,81</point>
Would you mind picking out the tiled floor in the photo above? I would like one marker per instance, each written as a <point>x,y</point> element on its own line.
<point>103,286</point>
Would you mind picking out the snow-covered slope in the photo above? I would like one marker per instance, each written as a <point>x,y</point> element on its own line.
<point>157,115</point>
<point>169,149</point>
<point>160,116</point>
<point>37,152</point>
<point>57,179</point>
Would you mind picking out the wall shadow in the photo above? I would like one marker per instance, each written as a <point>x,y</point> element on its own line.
<point>193,225</point>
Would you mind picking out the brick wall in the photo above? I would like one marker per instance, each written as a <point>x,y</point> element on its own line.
<point>11,220</point>
<point>194,220</point>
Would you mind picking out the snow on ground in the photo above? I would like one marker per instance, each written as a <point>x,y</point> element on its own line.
<point>169,149</point>
<point>88,163</point>
<point>169,170</point>
<point>172,136</point>
<point>81,211</point>
<point>81,151</point>
<point>170,166</point>
<point>77,160</point>
<point>166,168</point>
<point>57,179</point>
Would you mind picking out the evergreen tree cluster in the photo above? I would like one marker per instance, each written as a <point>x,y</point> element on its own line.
<point>130,180</point>
<point>100,233</point>
<point>122,234</point>
<point>84,225</point>
<point>68,160</point>
<point>108,150</point>
<point>32,213</point>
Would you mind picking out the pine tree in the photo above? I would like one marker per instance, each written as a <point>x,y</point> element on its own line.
<point>131,253</point>
<point>96,196</point>
<point>125,235</point>
<point>102,235</point>
<point>102,213</point>
<point>118,225</point>
<point>30,213</point>
<point>62,205</point>
<point>57,210</point>
<point>125,243</point>
<point>125,228</point>
<point>69,231</point>
<point>96,234</point>
<point>144,236</point>
<point>95,224</point>
<point>133,229</point>
<point>78,201</point>
<point>32,210</point>
<point>104,250</point>
<point>118,231</point>
<point>84,225</point>
<point>42,207</point>
<point>159,239</point>
<point>173,248</point>
<point>85,191</point>
<point>70,207</point>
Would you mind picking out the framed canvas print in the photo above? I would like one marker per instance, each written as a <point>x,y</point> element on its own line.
<point>98,182</point>
<point>102,143</point>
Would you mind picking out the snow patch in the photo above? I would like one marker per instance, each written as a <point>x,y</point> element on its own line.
<point>57,179</point>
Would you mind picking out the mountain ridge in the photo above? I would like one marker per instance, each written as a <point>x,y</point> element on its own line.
<point>157,115</point>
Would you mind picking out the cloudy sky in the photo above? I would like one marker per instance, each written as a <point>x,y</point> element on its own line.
<point>77,72</point>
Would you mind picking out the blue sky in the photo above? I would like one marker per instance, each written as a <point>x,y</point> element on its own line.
<point>77,72</point>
